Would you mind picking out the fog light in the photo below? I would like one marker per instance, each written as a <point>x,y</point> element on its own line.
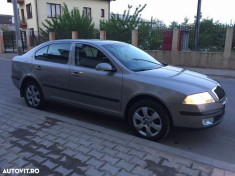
<point>208,122</point>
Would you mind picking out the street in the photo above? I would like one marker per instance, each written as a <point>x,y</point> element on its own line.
<point>217,142</point>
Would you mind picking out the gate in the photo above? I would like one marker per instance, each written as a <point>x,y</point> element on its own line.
<point>167,40</point>
<point>24,41</point>
<point>10,41</point>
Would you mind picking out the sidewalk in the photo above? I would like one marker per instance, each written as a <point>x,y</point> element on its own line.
<point>59,145</point>
<point>214,72</point>
<point>7,55</point>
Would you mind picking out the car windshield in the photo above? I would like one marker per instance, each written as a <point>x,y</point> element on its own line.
<point>133,58</point>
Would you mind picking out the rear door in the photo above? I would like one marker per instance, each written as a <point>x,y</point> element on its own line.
<point>51,69</point>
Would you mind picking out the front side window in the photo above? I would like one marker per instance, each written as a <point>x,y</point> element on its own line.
<point>53,10</point>
<point>29,11</point>
<point>87,11</point>
<point>133,58</point>
<point>88,56</point>
<point>57,53</point>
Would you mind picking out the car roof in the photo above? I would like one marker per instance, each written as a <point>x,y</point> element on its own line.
<point>91,41</point>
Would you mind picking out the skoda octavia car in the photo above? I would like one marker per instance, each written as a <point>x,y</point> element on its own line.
<point>121,80</point>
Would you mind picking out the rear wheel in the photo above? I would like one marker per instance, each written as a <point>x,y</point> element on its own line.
<point>149,120</point>
<point>33,95</point>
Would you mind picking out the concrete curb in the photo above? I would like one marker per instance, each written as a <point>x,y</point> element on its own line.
<point>177,152</point>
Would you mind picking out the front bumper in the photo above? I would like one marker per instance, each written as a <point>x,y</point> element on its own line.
<point>213,113</point>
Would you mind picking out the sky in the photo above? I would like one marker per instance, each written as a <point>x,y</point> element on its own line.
<point>167,10</point>
<point>177,10</point>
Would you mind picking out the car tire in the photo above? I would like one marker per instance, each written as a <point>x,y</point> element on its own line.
<point>149,120</point>
<point>33,95</point>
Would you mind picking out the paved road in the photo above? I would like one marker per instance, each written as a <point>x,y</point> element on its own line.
<point>217,142</point>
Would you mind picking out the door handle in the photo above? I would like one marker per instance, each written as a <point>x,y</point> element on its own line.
<point>75,74</point>
<point>38,67</point>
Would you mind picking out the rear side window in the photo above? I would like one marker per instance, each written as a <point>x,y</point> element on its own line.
<point>41,54</point>
<point>58,53</point>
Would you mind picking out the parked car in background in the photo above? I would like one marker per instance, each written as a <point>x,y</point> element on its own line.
<point>121,80</point>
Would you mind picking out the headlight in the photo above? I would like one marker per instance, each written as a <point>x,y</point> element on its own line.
<point>200,98</point>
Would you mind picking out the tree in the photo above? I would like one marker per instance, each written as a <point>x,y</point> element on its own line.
<point>70,21</point>
<point>212,35</point>
<point>119,27</point>
<point>185,22</point>
<point>174,24</point>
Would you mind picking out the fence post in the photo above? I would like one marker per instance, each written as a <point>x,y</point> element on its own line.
<point>134,37</point>
<point>228,42</point>
<point>51,36</point>
<point>102,35</point>
<point>175,39</point>
<point>1,42</point>
<point>29,39</point>
<point>74,34</point>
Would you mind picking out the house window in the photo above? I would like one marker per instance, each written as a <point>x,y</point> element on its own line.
<point>102,13</point>
<point>87,11</point>
<point>53,10</point>
<point>29,11</point>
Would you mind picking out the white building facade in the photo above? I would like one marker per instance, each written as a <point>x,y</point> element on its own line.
<point>34,12</point>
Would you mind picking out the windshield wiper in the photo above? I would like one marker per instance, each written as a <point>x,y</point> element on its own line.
<point>144,69</point>
<point>147,61</point>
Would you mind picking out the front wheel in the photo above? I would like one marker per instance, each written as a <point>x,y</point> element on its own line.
<point>33,95</point>
<point>149,120</point>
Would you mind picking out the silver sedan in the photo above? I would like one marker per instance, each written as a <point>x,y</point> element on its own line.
<point>121,80</point>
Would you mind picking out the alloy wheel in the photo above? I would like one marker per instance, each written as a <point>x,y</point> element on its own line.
<point>147,121</point>
<point>33,95</point>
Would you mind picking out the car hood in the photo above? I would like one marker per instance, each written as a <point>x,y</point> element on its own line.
<point>178,78</point>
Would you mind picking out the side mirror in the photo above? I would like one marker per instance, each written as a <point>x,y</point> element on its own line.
<point>105,67</point>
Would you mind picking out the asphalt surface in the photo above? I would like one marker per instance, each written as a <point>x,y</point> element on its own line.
<point>217,142</point>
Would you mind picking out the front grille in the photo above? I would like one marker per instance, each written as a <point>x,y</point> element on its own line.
<point>219,92</point>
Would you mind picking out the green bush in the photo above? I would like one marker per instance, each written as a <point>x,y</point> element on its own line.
<point>71,21</point>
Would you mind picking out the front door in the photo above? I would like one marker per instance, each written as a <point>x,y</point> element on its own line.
<point>99,90</point>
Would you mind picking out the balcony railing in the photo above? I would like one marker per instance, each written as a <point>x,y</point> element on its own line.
<point>18,1</point>
<point>23,23</point>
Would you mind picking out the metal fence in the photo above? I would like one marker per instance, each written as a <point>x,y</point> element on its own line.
<point>155,38</point>
<point>39,37</point>
<point>211,38</point>
<point>10,41</point>
<point>82,34</point>
<point>123,35</point>
<point>63,35</point>
<point>151,37</point>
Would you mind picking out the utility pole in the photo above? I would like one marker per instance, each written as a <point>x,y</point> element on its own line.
<point>197,26</point>
<point>17,28</point>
